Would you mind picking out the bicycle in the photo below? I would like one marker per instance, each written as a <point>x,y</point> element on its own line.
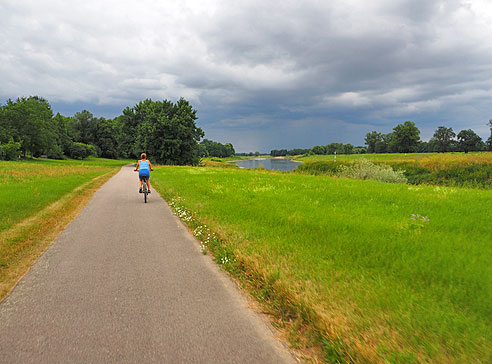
<point>145,191</point>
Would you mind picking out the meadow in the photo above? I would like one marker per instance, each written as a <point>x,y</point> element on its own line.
<point>444,169</point>
<point>37,199</point>
<point>368,272</point>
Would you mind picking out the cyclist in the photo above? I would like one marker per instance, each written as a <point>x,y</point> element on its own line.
<point>144,167</point>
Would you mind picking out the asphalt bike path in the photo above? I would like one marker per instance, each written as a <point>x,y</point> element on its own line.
<point>126,282</point>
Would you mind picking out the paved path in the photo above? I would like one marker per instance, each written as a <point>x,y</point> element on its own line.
<point>126,283</point>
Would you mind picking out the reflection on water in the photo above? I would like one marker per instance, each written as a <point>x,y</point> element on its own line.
<point>269,163</point>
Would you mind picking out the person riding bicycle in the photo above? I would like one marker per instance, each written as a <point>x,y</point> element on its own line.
<point>144,167</point>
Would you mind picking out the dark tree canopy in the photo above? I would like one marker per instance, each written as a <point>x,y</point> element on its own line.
<point>209,148</point>
<point>469,141</point>
<point>443,139</point>
<point>371,140</point>
<point>405,138</point>
<point>166,131</point>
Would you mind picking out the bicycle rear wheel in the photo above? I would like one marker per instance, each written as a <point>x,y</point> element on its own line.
<point>144,189</point>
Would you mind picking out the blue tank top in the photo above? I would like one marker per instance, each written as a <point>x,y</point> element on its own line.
<point>144,165</point>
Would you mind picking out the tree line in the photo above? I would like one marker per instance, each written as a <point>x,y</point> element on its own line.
<point>209,148</point>
<point>405,138</point>
<point>331,148</point>
<point>166,131</point>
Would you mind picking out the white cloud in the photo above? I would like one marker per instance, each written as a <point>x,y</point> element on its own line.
<point>382,59</point>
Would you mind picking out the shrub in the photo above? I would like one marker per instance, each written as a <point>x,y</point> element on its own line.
<point>81,150</point>
<point>10,151</point>
<point>365,169</point>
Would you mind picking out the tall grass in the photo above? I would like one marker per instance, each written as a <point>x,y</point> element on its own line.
<point>353,259</point>
<point>450,169</point>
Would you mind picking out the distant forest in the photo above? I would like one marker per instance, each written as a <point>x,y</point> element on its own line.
<point>166,131</point>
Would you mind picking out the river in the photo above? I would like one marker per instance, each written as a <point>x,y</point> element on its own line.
<point>278,164</point>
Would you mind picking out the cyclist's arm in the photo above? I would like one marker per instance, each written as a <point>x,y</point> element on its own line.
<point>138,166</point>
<point>150,166</point>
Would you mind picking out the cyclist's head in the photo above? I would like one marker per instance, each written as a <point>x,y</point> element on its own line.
<point>143,156</point>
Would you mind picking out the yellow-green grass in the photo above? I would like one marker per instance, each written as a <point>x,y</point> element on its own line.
<point>38,198</point>
<point>347,256</point>
<point>433,161</point>
<point>445,169</point>
<point>219,162</point>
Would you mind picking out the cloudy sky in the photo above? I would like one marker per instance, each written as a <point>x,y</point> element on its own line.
<point>262,74</point>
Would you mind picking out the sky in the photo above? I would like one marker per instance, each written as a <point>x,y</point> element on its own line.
<point>262,75</point>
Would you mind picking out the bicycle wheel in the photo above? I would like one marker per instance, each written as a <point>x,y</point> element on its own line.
<point>144,187</point>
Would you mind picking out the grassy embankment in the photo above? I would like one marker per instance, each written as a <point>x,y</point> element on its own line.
<point>449,169</point>
<point>343,264</point>
<point>38,199</point>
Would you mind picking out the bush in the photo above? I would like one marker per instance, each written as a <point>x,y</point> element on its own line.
<point>10,151</point>
<point>81,150</point>
<point>365,169</point>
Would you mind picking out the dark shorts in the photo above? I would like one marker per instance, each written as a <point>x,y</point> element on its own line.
<point>143,172</point>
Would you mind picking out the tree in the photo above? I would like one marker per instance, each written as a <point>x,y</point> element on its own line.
<point>230,150</point>
<point>210,148</point>
<point>406,138</point>
<point>334,147</point>
<point>126,128</point>
<point>296,151</point>
<point>10,151</point>
<point>348,149</point>
<point>383,145</point>
<point>372,140</point>
<point>62,141</point>
<point>360,150</point>
<point>469,141</point>
<point>166,131</point>
<point>7,131</point>
<point>319,149</point>
<point>105,139</point>
<point>489,140</point>
<point>83,127</point>
<point>443,139</point>
<point>30,118</point>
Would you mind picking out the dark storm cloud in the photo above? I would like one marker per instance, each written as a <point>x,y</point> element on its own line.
<point>262,74</point>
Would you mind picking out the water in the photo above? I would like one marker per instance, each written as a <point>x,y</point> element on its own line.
<point>269,163</point>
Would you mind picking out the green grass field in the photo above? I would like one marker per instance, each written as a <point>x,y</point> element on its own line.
<point>379,284</point>
<point>29,186</point>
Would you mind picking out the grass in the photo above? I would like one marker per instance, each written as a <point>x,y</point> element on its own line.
<point>345,262</point>
<point>434,161</point>
<point>39,198</point>
<point>446,169</point>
